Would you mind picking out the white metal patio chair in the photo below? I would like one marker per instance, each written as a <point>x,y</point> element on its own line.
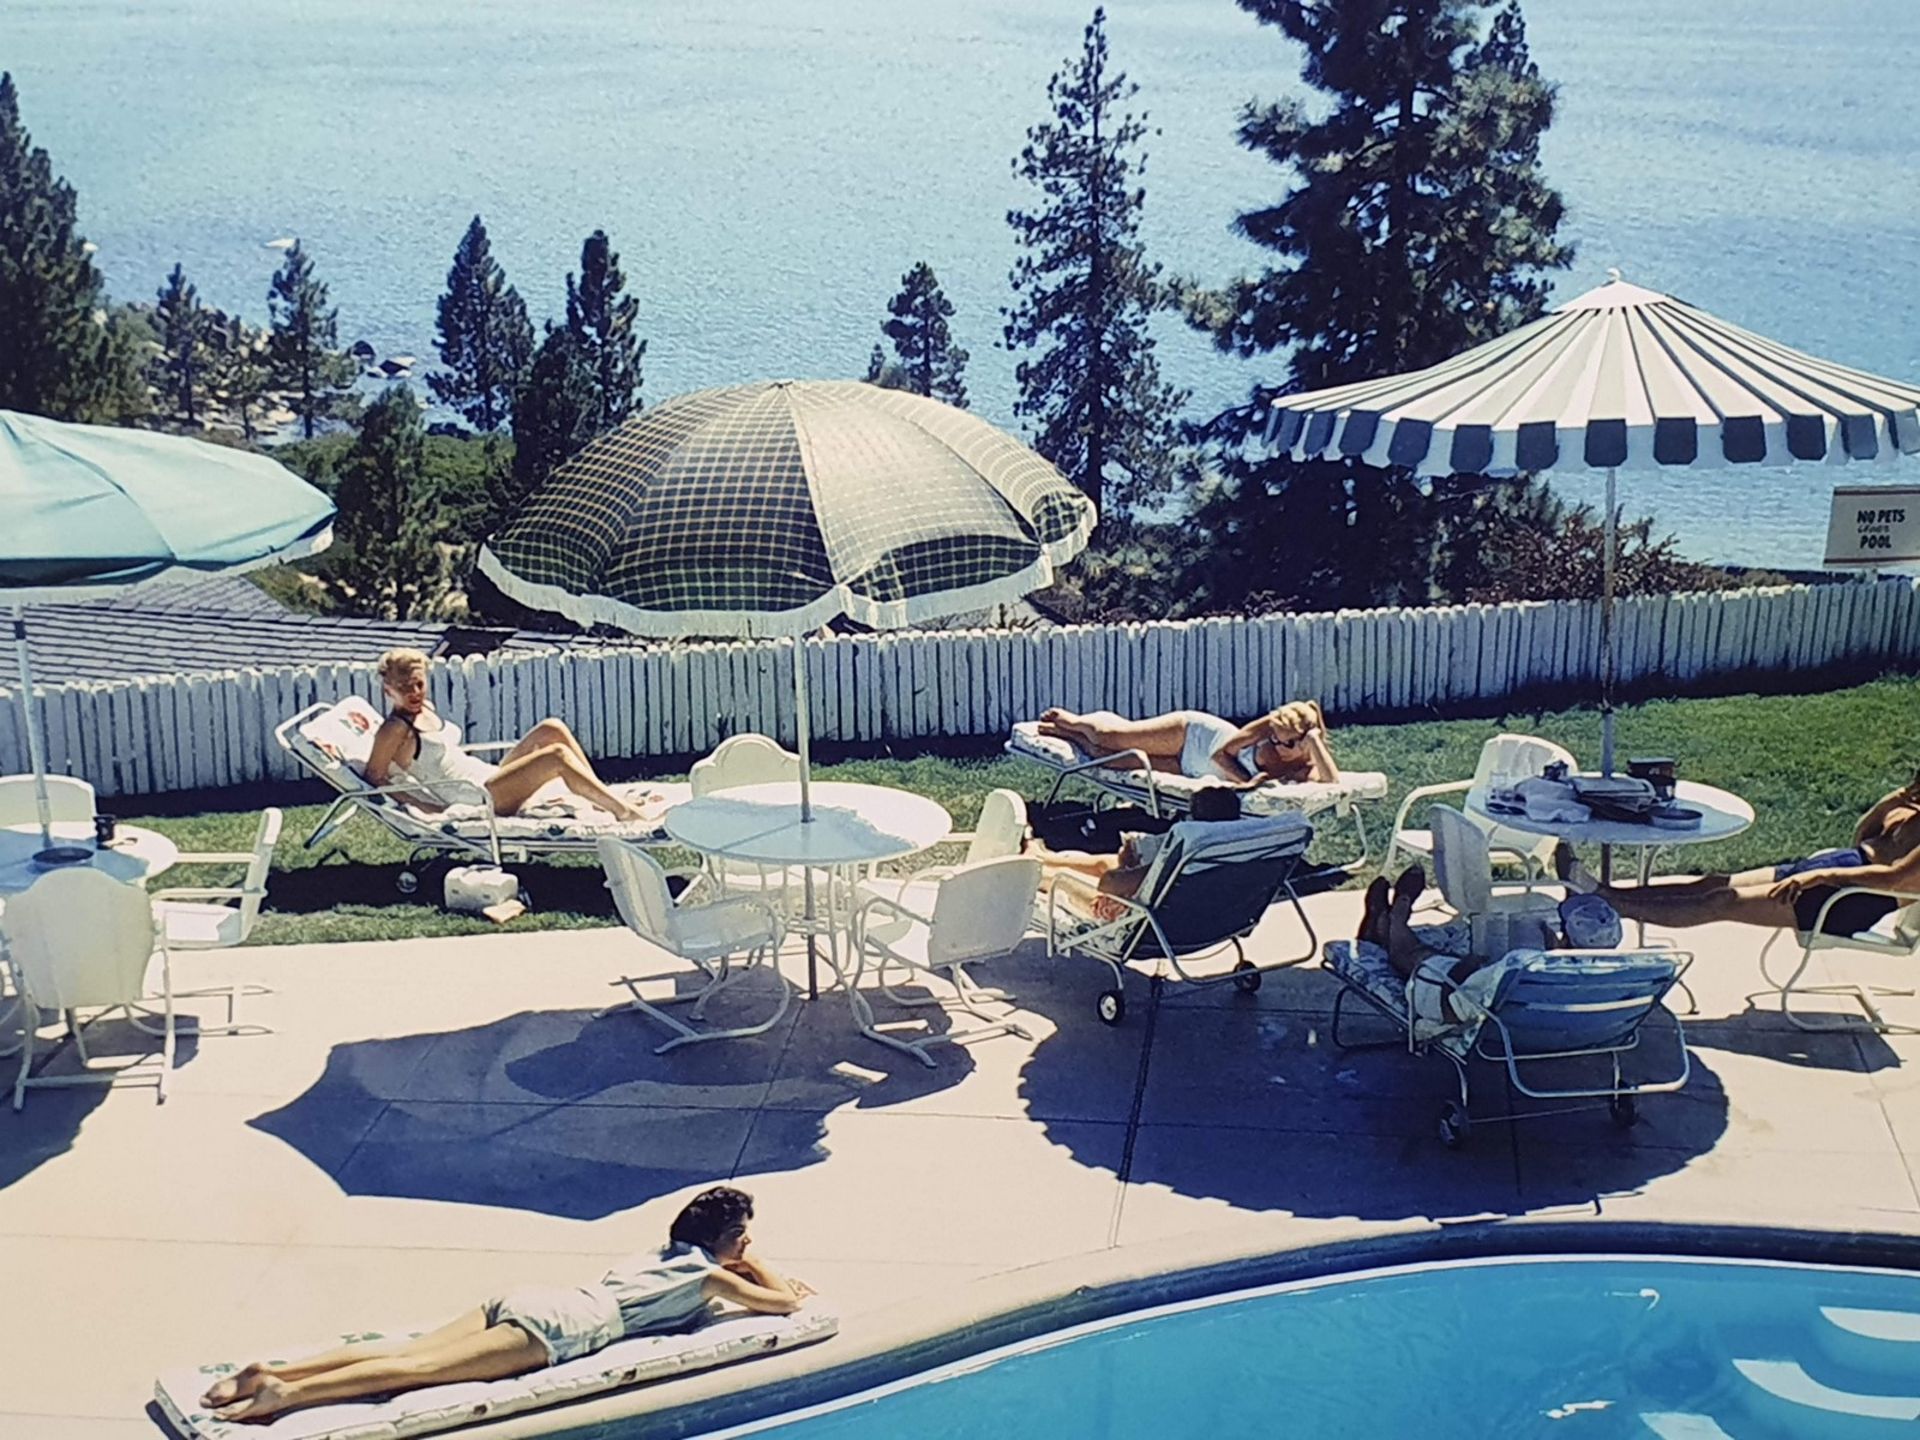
<point>69,798</point>
<point>217,917</point>
<point>81,940</point>
<point>707,935</point>
<point>1511,755</point>
<point>999,833</point>
<point>1897,936</point>
<point>979,912</point>
<point>1501,919</point>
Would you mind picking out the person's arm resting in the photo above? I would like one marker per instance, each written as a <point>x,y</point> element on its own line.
<point>389,744</point>
<point>752,1286</point>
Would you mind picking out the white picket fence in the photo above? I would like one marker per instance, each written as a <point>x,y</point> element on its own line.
<point>168,733</point>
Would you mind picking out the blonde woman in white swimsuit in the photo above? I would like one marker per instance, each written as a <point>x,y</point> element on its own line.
<point>418,745</point>
<point>1287,744</point>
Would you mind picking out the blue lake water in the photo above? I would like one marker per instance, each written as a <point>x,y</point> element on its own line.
<point>769,168</point>
<point>1584,1349</point>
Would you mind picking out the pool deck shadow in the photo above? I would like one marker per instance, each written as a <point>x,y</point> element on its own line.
<point>431,1121</point>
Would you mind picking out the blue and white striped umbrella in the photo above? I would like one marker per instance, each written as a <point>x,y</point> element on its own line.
<point>1620,379</point>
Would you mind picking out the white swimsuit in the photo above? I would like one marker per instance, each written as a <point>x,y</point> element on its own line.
<point>1205,735</point>
<point>443,771</point>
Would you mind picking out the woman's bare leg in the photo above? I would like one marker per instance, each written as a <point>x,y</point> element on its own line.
<point>1101,732</point>
<point>547,733</point>
<point>516,780</point>
<point>493,1353</point>
<point>245,1381</point>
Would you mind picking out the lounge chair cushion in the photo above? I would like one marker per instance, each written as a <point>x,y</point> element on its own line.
<point>1271,798</point>
<point>441,1407</point>
<point>1365,966</point>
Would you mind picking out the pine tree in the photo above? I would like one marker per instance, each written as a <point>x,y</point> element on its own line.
<point>183,362</point>
<point>929,362</point>
<point>61,353</point>
<point>305,350</point>
<point>1417,222</point>
<point>486,339</point>
<point>387,561</point>
<point>600,316</point>
<point>1086,290</point>
<point>556,411</point>
<point>887,374</point>
<point>240,370</point>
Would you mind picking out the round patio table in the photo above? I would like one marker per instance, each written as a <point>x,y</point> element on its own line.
<point>134,855</point>
<point>1722,815</point>
<point>852,825</point>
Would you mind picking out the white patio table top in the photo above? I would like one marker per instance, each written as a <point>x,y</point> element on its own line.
<point>135,856</point>
<point>852,824</point>
<point>1722,814</point>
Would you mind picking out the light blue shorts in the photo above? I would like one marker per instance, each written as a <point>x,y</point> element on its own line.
<point>568,1320</point>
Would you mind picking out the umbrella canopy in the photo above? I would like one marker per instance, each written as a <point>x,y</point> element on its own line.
<point>92,509</point>
<point>89,510</point>
<point>1621,378</point>
<point>773,508</point>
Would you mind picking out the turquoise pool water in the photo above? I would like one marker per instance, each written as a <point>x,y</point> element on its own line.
<point>1563,1347</point>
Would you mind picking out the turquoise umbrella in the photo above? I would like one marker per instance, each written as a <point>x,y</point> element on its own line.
<point>87,511</point>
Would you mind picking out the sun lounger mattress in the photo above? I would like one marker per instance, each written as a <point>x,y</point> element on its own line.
<point>1272,798</point>
<point>441,1407</point>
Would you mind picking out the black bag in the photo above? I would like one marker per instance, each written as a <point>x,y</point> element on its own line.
<point>1072,825</point>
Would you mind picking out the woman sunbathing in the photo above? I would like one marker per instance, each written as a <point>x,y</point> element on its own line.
<point>534,1326</point>
<point>418,745</point>
<point>1288,744</point>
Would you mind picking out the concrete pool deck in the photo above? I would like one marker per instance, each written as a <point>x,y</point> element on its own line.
<point>432,1120</point>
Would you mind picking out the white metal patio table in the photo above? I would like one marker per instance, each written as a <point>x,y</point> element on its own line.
<point>852,825</point>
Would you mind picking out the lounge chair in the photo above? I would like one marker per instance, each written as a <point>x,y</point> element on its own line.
<point>1164,794</point>
<point>1897,935</point>
<point>1207,888</point>
<point>720,1341</point>
<point>333,743</point>
<point>1531,1010</point>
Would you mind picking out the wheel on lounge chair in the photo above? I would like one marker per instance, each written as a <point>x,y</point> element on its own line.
<point>1246,978</point>
<point>1625,1113</point>
<point>406,882</point>
<point>1112,1006</point>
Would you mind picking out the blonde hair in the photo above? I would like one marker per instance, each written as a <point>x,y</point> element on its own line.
<point>396,663</point>
<point>1297,717</point>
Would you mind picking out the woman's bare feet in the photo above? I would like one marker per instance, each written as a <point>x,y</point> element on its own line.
<point>269,1398</point>
<point>236,1386</point>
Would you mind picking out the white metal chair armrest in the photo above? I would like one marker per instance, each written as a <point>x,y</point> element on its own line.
<point>207,892</point>
<point>872,902</point>
<point>1426,792</point>
<point>215,857</point>
<point>1133,913</point>
<point>480,747</point>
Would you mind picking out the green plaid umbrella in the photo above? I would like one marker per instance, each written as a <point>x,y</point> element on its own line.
<point>772,508</point>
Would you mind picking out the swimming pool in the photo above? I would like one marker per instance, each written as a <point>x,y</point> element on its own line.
<point>1599,1346</point>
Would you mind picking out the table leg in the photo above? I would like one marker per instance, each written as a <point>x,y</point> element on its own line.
<point>813,939</point>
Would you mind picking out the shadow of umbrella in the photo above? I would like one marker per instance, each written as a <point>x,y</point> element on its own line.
<point>1245,1099</point>
<point>555,1112</point>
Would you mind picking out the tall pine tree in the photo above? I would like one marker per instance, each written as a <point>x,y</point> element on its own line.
<point>305,346</point>
<point>61,354</point>
<point>183,362</point>
<point>1086,290</point>
<point>486,339</point>
<point>600,316</point>
<point>929,362</point>
<point>240,369</point>
<point>1416,222</point>
<point>388,562</point>
<point>556,411</point>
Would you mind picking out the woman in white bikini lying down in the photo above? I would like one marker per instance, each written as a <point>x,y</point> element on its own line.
<point>418,744</point>
<point>534,1326</point>
<point>1288,744</point>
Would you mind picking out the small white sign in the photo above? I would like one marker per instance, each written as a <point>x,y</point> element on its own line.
<point>1874,525</point>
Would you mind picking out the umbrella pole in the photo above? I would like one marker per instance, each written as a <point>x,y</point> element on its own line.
<point>35,757</point>
<point>801,719</point>
<point>1606,631</point>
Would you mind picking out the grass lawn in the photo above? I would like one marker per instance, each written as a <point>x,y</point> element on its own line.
<point>1809,764</point>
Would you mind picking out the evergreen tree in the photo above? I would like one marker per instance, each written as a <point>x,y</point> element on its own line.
<point>887,374</point>
<point>305,352</point>
<point>183,325</point>
<point>1086,290</point>
<point>600,316</point>
<point>486,339</point>
<point>1417,223</point>
<point>929,362</point>
<point>240,369</point>
<point>61,352</point>
<point>556,411</point>
<point>386,560</point>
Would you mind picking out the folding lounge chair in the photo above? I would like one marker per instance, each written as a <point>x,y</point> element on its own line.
<point>333,743</point>
<point>1164,794</point>
<point>1528,1012</point>
<point>1207,888</point>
